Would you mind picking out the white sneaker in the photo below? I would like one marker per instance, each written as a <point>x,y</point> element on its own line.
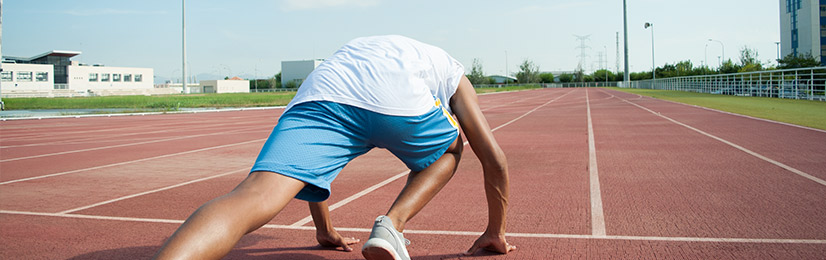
<point>385,242</point>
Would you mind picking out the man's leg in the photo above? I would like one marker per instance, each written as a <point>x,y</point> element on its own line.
<point>214,229</point>
<point>422,186</point>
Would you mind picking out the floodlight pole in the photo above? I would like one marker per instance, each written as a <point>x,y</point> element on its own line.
<point>626,77</point>
<point>2,105</point>
<point>721,46</point>
<point>653,64</point>
<point>183,51</point>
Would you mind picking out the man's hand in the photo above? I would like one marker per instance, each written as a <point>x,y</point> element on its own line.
<point>333,239</point>
<point>491,243</point>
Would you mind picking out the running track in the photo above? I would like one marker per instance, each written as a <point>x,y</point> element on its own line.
<point>595,173</point>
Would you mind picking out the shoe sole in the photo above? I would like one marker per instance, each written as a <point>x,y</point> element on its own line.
<point>378,249</point>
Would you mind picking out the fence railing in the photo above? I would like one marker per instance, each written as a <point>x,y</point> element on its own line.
<point>273,90</point>
<point>805,83</point>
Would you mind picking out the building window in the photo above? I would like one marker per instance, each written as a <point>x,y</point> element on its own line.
<point>116,77</point>
<point>93,77</point>
<point>42,76</point>
<point>7,76</point>
<point>24,76</point>
<point>104,77</point>
<point>138,77</point>
<point>127,77</point>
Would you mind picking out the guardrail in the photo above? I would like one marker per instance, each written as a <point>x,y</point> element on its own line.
<point>273,90</point>
<point>805,83</point>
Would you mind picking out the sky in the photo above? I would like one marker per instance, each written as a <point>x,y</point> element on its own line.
<point>250,38</point>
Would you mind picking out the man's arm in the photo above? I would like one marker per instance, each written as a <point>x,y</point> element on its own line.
<point>465,105</point>
<point>326,235</point>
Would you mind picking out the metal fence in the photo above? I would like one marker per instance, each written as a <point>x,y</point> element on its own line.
<point>806,83</point>
<point>262,90</point>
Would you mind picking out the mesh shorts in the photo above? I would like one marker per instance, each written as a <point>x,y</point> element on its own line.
<point>313,141</point>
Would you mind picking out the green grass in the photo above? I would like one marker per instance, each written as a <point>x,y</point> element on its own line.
<point>174,102</point>
<point>799,112</point>
<point>506,88</point>
<point>153,103</point>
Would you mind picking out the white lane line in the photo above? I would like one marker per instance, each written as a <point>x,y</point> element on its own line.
<point>245,169</point>
<point>133,161</point>
<point>639,97</point>
<point>133,132</point>
<point>532,110</point>
<point>597,214</point>
<point>125,145</point>
<point>750,152</point>
<point>454,233</point>
<point>354,197</point>
<point>360,194</point>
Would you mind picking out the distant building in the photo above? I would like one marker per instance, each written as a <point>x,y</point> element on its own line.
<point>295,72</point>
<point>54,74</point>
<point>803,28</point>
<point>233,85</point>
<point>499,79</point>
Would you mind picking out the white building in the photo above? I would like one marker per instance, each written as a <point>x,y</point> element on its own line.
<point>499,79</point>
<point>801,31</point>
<point>234,85</point>
<point>21,78</point>
<point>295,72</point>
<point>106,81</point>
<point>53,74</point>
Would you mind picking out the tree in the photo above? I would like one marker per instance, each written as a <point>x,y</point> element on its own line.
<point>729,67</point>
<point>805,60</point>
<point>603,75</point>
<point>565,78</point>
<point>477,76</point>
<point>529,72</point>
<point>749,61</point>
<point>546,77</point>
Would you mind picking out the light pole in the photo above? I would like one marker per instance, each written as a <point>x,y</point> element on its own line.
<point>183,46</point>
<point>2,105</point>
<point>653,64</point>
<point>778,48</point>
<point>721,46</point>
<point>626,79</point>
<point>606,65</point>
<point>706,55</point>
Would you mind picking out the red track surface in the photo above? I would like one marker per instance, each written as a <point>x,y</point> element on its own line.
<point>669,181</point>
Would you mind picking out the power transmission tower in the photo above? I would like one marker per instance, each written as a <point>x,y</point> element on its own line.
<point>582,46</point>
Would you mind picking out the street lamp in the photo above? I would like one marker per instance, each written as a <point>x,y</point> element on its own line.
<point>653,64</point>
<point>721,46</point>
<point>626,79</point>
<point>183,46</point>
<point>778,50</point>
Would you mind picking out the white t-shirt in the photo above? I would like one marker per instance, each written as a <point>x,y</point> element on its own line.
<point>392,75</point>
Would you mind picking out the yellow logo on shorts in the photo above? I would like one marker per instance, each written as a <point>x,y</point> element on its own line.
<point>446,114</point>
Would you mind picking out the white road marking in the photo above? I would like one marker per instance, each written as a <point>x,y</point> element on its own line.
<point>245,169</point>
<point>597,214</point>
<point>130,162</point>
<point>124,145</point>
<point>750,152</point>
<point>454,233</point>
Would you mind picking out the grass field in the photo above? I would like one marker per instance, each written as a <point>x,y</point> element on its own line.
<point>154,103</point>
<point>799,112</point>
<point>174,102</point>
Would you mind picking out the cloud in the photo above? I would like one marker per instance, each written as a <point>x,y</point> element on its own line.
<point>110,11</point>
<point>294,5</point>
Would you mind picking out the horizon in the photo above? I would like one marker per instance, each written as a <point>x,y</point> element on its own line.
<point>251,38</point>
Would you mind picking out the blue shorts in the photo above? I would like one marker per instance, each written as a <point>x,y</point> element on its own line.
<point>313,141</point>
